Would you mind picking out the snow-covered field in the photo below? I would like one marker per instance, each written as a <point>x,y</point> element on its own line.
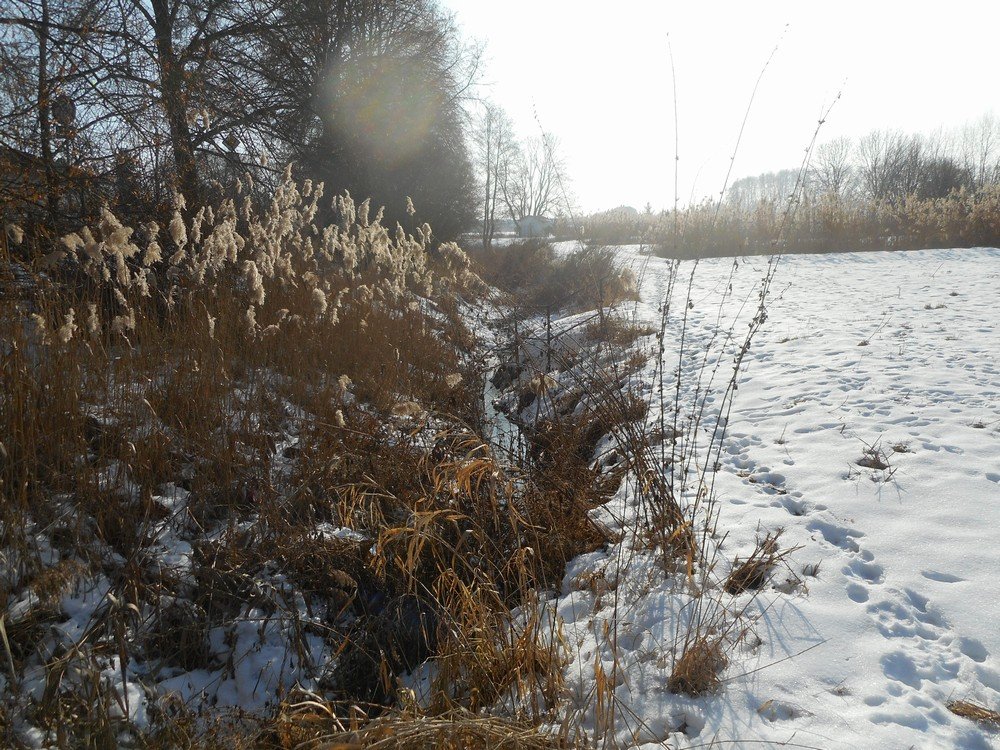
<point>893,352</point>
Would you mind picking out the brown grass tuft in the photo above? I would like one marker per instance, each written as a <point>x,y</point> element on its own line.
<point>874,458</point>
<point>696,672</point>
<point>311,726</point>
<point>975,712</point>
<point>752,573</point>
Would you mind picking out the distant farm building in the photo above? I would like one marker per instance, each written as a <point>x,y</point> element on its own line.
<point>534,226</point>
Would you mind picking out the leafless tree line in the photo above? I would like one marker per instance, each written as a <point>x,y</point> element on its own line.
<point>150,96</point>
<point>887,166</point>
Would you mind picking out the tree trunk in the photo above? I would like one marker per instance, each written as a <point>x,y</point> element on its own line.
<point>44,122</point>
<point>487,234</point>
<point>172,95</point>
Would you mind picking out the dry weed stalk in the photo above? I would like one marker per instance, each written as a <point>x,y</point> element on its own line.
<point>975,712</point>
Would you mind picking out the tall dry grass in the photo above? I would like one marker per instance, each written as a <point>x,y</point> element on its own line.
<point>233,384</point>
<point>823,223</point>
<point>285,379</point>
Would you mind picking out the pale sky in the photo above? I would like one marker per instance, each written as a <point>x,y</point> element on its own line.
<point>598,75</point>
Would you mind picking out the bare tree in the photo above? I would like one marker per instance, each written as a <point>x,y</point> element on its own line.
<point>941,172</point>
<point>202,51</point>
<point>127,77</point>
<point>888,164</point>
<point>832,168</point>
<point>368,96</point>
<point>533,185</point>
<point>37,112</point>
<point>979,150</point>
<point>495,152</point>
<point>772,188</point>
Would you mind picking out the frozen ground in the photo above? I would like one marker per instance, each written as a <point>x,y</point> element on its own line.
<point>899,352</point>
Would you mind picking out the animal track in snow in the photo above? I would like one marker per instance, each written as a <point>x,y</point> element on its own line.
<point>839,536</point>
<point>924,659</point>
<point>973,649</point>
<point>793,505</point>
<point>933,575</point>
<point>925,648</point>
<point>858,593</point>
<point>866,571</point>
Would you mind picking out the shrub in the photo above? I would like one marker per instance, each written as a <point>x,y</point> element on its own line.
<point>541,279</point>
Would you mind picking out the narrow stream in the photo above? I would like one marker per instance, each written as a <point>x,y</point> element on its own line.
<point>504,436</point>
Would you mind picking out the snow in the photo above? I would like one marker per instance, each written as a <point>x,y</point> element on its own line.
<point>866,350</point>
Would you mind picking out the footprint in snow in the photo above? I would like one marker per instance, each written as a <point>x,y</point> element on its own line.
<point>839,536</point>
<point>926,654</point>
<point>926,657</point>
<point>934,575</point>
